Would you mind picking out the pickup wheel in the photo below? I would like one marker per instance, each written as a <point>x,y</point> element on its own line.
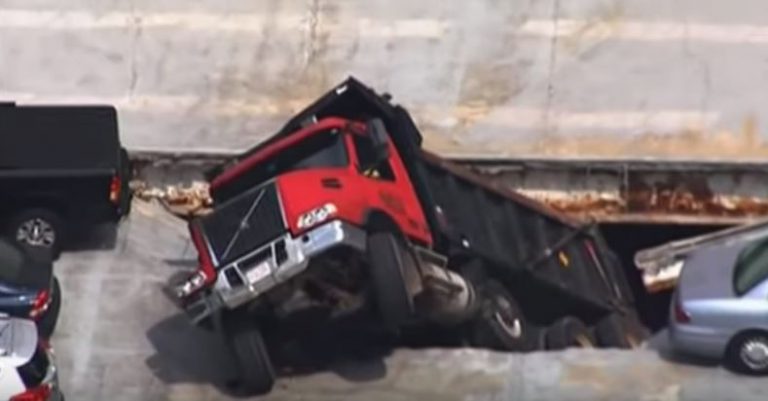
<point>47,323</point>
<point>501,324</point>
<point>387,258</point>
<point>569,332</point>
<point>257,376</point>
<point>38,230</point>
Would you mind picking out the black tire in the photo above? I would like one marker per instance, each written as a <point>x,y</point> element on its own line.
<point>569,332</point>
<point>387,258</point>
<point>611,332</point>
<point>257,376</point>
<point>47,323</point>
<point>501,324</point>
<point>18,230</point>
<point>737,355</point>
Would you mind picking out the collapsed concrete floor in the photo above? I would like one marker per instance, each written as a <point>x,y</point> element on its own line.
<point>119,338</point>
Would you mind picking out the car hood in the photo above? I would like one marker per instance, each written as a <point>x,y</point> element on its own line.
<point>708,272</point>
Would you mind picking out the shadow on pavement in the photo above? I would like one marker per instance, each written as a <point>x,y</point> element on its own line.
<point>101,237</point>
<point>188,354</point>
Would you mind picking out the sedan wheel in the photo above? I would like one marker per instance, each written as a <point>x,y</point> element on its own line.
<point>754,353</point>
<point>749,353</point>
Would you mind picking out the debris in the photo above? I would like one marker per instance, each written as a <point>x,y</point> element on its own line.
<point>183,201</point>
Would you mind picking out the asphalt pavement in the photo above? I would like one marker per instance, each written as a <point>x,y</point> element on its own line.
<point>119,339</point>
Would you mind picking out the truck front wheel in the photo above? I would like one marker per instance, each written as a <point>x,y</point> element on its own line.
<point>388,258</point>
<point>257,376</point>
<point>501,324</point>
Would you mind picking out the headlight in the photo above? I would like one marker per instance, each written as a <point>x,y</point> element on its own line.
<point>317,215</point>
<point>193,283</point>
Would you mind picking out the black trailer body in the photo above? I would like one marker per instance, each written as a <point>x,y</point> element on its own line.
<point>555,265</point>
<point>64,165</point>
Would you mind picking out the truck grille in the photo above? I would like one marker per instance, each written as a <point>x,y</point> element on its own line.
<point>244,223</point>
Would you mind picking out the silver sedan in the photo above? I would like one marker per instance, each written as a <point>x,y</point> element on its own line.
<point>720,306</point>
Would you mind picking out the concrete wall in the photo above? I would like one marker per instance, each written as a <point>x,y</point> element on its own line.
<point>673,78</point>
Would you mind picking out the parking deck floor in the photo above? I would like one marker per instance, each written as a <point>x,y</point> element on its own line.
<point>120,339</point>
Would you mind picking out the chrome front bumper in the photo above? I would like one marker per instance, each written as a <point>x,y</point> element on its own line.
<point>274,263</point>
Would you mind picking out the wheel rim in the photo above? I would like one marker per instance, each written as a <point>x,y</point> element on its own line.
<point>754,353</point>
<point>506,318</point>
<point>36,232</point>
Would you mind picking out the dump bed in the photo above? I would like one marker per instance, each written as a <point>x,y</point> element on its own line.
<point>536,250</point>
<point>562,265</point>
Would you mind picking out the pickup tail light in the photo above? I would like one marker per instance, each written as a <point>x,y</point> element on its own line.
<point>681,316</point>
<point>114,189</point>
<point>40,304</point>
<point>39,393</point>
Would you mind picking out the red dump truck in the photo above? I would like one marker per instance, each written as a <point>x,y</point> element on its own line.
<point>342,211</point>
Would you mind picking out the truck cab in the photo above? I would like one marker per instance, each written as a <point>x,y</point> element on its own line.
<point>320,188</point>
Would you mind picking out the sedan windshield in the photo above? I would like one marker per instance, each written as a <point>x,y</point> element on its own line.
<point>751,267</point>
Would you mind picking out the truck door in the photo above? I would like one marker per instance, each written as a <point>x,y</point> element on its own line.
<point>388,188</point>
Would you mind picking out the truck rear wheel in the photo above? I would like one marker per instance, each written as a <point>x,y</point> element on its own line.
<point>387,260</point>
<point>257,376</point>
<point>612,333</point>
<point>569,332</point>
<point>501,324</point>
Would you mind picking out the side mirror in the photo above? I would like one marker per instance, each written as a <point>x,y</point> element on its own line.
<point>377,133</point>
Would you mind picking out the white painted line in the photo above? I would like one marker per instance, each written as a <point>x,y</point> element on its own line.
<point>241,22</point>
<point>614,29</point>
<point>650,31</point>
<point>532,118</point>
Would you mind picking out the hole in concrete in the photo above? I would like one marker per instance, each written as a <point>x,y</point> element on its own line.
<point>627,239</point>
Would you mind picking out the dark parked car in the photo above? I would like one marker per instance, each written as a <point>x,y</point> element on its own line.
<point>63,171</point>
<point>28,288</point>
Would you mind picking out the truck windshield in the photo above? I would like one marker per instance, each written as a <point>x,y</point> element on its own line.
<point>751,267</point>
<point>324,149</point>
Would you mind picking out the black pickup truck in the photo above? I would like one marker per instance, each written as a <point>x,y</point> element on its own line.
<point>62,172</point>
